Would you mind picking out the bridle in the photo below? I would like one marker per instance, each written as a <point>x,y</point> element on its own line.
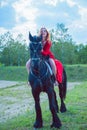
<point>35,51</point>
<point>37,58</point>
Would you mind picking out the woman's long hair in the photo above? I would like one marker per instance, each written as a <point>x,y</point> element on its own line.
<point>48,35</point>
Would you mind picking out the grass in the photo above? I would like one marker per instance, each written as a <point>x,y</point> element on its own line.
<point>14,73</point>
<point>74,119</point>
<point>76,72</point>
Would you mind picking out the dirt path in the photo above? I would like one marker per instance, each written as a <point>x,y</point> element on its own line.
<point>16,98</point>
<point>5,84</point>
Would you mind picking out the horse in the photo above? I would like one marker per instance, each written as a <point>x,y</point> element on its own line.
<point>41,80</point>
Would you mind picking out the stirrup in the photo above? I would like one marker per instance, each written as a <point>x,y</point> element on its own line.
<point>56,83</point>
<point>28,83</point>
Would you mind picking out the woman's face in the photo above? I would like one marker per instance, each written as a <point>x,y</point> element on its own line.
<point>43,33</point>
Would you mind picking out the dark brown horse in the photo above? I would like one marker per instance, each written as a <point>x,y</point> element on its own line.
<point>41,80</point>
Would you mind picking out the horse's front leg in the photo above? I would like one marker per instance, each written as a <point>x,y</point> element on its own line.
<point>38,123</point>
<point>52,103</point>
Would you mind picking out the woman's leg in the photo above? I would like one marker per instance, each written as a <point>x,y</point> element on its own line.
<point>53,66</point>
<point>28,65</point>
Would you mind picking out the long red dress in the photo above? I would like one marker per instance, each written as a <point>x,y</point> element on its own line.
<point>46,51</point>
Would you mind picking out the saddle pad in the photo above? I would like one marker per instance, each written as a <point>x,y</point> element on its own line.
<point>51,72</point>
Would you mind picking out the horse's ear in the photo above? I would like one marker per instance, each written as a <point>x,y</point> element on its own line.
<point>39,38</point>
<point>30,37</point>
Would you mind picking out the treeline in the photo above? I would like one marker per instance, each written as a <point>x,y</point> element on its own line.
<point>65,49</point>
<point>15,52</point>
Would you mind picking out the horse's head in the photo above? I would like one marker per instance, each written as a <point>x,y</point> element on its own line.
<point>35,49</point>
<point>35,38</point>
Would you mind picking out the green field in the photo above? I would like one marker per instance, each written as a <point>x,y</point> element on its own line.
<point>76,100</point>
<point>74,119</point>
<point>74,73</point>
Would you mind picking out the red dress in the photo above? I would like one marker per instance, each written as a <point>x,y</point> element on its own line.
<point>46,51</point>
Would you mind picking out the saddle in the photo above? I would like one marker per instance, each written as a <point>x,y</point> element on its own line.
<point>51,71</point>
<point>59,67</point>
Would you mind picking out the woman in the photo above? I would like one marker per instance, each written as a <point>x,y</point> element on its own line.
<point>46,43</point>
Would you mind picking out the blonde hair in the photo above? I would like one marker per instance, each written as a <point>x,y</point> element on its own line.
<point>48,35</point>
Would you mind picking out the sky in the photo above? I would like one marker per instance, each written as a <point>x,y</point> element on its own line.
<point>22,16</point>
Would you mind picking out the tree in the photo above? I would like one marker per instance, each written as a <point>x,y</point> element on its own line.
<point>82,53</point>
<point>63,45</point>
<point>14,52</point>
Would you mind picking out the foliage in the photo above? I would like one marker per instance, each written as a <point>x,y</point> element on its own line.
<point>82,53</point>
<point>65,49</point>
<point>15,51</point>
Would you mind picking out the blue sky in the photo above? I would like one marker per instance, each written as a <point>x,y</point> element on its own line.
<point>22,16</point>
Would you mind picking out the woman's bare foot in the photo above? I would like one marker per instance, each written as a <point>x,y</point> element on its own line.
<point>28,83</point>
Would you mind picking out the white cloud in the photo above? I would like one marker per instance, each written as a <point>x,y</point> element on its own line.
<point>83,13</point>
<point>82,22</point>
<point>71,3</point>
<point>27,12</point>
<point>24,9</point>
<point>51,2</point>
<point>3,30</point>
<point>24,29</point>
<point>78,27</point>
<point>3,3</point>
<point>66,14</point>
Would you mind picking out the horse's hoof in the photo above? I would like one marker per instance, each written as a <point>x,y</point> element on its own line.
<point>38,124</point>
<point>56,125</point>
<point>63,109</point>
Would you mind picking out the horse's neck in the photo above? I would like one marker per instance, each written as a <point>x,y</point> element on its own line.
<point>42,65</point>
<point>42,68</point>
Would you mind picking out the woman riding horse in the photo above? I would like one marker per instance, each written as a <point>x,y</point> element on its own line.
<point>40,79</point>
<point>56,65</point>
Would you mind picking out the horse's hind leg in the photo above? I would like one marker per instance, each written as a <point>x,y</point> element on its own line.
<point>55,119</point>
<point>61,94</point>
<point>38,123</point>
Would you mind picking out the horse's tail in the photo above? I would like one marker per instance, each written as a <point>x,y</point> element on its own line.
<point>63,86</point>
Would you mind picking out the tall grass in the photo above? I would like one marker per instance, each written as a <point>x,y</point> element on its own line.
<point>13,73</point>
<point>74,73</point>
